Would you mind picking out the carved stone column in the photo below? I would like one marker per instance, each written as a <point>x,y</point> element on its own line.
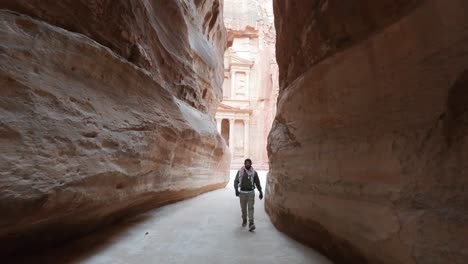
<point>246,138</point>
<point>231,135</point>
<point>233,84</point>
<point>218,124</point>
<point>247,85</point>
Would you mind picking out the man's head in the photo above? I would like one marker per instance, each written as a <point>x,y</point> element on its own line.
<point>248,164</point>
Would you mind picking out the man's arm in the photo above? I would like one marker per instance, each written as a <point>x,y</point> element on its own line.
<point>259,187</point>
<point>236,184</point>
<point>257,182</point>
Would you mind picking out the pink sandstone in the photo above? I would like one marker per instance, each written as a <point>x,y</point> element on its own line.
<point>106,110</point>
<point>369,146</point>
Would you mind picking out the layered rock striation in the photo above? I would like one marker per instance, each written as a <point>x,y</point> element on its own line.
<point>180,42</point>
<point>369,146</point>
<point>106,110</point>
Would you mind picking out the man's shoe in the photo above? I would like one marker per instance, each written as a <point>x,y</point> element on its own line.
<point>251,227</point>
<point>244,223</point>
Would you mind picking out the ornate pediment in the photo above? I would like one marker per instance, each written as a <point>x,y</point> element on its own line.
<point>227,108</point>
<point>237,60</point>
<point>222,106</point>
<point>232,58</point>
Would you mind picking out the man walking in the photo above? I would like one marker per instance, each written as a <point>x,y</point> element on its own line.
<point>244,184</point>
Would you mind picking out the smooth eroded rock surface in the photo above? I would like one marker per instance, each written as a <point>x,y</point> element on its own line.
<point>180,42</point>
<point>88,135</point>
<point>369,147</point>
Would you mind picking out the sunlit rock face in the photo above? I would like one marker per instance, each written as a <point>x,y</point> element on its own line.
<point>181,43</point>
<point>106,110</point>
<point>369,147</point>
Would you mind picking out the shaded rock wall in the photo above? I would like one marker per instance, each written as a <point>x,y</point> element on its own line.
<point>87,134</point>
<point>369,146</point>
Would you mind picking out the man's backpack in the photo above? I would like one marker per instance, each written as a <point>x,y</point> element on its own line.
<point>247,184</point>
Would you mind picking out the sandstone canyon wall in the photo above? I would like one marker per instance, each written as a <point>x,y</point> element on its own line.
<point>369,149</point>
<point>107,108</point>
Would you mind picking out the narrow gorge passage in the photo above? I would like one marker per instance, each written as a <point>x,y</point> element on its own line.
<point>202,230</point>
<point>358,109</point>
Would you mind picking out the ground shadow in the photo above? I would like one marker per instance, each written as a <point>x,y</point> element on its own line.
<point>86,246</point>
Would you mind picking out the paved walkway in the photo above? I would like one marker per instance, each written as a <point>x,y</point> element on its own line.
<point>205,230</point>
